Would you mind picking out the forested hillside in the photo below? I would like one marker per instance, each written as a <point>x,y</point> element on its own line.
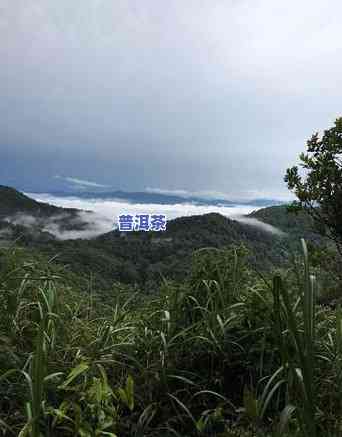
<point>19,209</point>
<point>196,331</point>
<point>146,258</point>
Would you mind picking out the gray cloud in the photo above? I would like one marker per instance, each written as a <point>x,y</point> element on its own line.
<point>199,95</point>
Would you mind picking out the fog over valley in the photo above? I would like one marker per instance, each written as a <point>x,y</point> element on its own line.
<point>106,212</point>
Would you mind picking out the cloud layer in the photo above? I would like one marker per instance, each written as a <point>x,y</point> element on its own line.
<point>198,95</point>
<point>106,212</point>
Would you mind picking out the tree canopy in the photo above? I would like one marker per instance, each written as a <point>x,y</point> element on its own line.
<point>318,184</point>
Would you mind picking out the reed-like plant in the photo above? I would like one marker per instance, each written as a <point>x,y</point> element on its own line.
<point>300,350</point>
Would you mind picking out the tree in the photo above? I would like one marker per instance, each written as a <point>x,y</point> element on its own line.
<point>318,187</point>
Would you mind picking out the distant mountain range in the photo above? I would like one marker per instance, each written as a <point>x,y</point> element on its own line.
<point>162,199</point>
<point>270,234</point>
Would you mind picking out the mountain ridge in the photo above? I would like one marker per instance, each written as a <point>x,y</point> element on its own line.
<point>160,198</point>
<point>146,257</point>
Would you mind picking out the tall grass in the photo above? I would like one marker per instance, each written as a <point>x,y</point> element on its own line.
<point>300,353</point>
<point>218,352</point>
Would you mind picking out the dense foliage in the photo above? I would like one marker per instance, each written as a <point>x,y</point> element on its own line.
<point>212,328</point>
<point>147,258</point>
<point>319,189</point>
<point>223,352</point>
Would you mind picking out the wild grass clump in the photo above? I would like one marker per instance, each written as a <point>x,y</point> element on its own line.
<point>224,353</point>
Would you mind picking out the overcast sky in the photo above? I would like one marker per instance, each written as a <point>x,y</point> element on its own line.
<point>192,95</point>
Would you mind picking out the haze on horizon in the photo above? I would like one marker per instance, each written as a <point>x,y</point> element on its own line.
<point>206,96</point>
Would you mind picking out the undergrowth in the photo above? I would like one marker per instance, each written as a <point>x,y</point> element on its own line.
<point>224,353</point>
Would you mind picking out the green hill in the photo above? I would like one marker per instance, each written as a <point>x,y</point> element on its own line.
<point>13,202</point>
<point>289,222</point>
<point>19,209</point>
<point>146,258</point>
<point>94,342</point>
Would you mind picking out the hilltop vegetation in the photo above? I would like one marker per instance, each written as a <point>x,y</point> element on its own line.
<point>146,258</point>
<point>17,209</point>
<point>14,202</point>
<point>219,353</point>
<point>212,328</point>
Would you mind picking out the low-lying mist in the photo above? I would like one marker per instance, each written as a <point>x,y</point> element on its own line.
<point>105,212</point>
